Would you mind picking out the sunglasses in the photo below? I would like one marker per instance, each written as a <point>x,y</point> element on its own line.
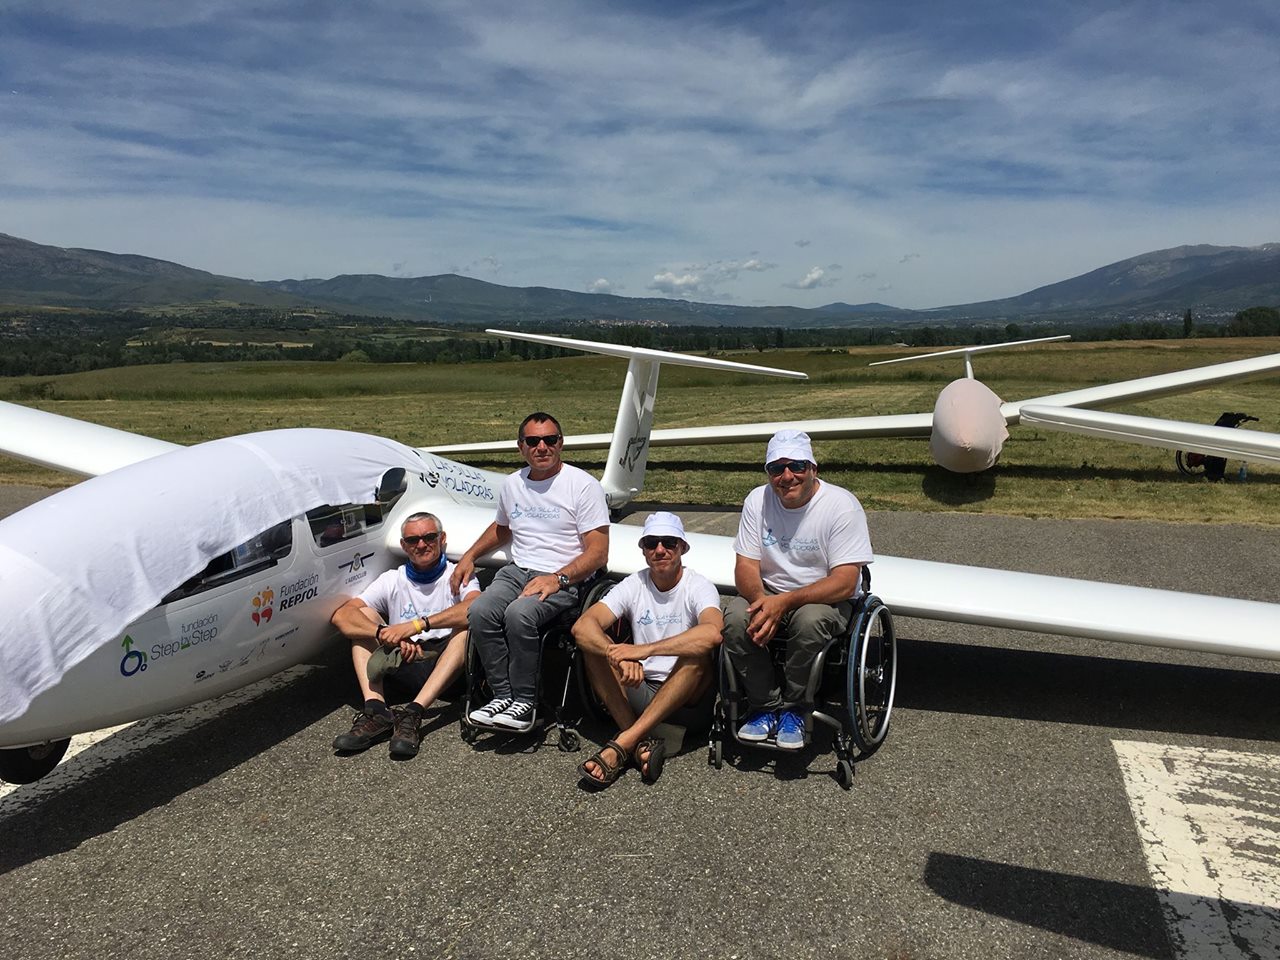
<point>427,538</point>
<point>651,543</point>
<point>551,439</point>
<point>777,468</point>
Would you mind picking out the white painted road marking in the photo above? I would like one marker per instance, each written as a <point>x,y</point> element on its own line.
<point>1210,827</point>
<point>114,742</point>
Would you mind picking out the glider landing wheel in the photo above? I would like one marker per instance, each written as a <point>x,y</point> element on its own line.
<point>872,675</point>
<point>1189,464</point>
<point>29,764</point>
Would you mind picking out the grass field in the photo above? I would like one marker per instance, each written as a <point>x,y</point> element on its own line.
<point>1039,474</point>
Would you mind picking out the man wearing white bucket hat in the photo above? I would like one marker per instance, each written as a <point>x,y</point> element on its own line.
<point>665,671</point>
<point>801,546</point>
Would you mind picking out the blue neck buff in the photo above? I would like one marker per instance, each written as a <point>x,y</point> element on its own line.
<point>425,576</point>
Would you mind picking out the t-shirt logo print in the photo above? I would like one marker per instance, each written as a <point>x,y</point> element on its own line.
<point>516,512</point>
<point>768,540</point>
<point>647,618</point>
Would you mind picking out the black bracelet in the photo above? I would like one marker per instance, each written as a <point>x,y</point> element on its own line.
<point>377,634</point>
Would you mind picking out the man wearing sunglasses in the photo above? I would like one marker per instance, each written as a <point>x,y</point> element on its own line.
<point>801,546</point>
<point>554,521</point>
<point>665,669</point>
<point>401,621</point>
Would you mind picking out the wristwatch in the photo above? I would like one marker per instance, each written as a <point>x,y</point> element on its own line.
<point>564,580</point>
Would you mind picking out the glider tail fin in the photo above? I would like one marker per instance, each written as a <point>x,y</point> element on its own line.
<point>969,351</point>
<point>628,454</point>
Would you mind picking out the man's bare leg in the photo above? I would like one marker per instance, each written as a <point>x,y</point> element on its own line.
<point>686,684</point>
<point>446,668</point>
<point>361,651</point>
<point>607,683</point>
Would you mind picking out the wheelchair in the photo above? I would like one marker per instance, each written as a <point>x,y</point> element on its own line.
<point>851,686</point>
<point>557,662</point>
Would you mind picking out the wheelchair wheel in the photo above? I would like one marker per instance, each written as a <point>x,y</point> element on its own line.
<point>844,775</point>
<point>872,675</point>
<point>467,732</point>
<point>593,708</point>
<point>1189,464</point>
<point>568,741</point>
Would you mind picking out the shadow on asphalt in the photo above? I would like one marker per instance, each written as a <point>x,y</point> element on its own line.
<point>126,788</point>
<point>1094,691</point>
<point>1119,916</point>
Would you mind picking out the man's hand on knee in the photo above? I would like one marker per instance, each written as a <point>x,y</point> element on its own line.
<point>764,616</point>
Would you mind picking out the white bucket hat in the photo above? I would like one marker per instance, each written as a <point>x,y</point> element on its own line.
<point>664,524</point>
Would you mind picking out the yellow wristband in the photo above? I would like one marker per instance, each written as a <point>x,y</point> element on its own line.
<point>419,624</point>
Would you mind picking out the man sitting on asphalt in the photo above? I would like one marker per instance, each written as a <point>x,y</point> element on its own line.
<point>430,616</point>
<point>666,670</point>
<point>555,520</point>
<point>801,546</point>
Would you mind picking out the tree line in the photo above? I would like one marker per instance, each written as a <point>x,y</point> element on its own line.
<point>68,342</point>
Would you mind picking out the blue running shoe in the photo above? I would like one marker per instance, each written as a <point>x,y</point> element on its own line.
<point>759,726</point>
<point>790,731</point>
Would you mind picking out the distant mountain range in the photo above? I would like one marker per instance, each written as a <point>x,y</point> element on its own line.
<point>1193,277</point>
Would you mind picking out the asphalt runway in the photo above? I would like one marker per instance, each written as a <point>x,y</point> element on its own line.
<point>1006,816</point>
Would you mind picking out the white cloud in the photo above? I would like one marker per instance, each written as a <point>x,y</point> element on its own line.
<point>603,285</point>
<point>568,141</point>
<point>816,277</point>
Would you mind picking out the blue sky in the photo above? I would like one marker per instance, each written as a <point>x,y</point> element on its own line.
<point>917,154</point>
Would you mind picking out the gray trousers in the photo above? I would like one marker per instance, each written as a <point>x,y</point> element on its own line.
<point>805,632</point>
<point>507,630</point>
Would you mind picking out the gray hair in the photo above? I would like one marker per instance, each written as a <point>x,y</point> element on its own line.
<point>421,515</point>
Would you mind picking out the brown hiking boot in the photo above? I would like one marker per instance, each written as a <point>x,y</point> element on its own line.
<point>368,729</point>
<point>407,735</point>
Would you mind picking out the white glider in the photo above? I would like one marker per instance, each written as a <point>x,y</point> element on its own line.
<point>969,422</point>
<point>179,574</point>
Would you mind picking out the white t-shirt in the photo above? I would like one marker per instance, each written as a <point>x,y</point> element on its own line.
<point>797,547</point>
<point>397,598</point>
<point>548,517</point>
<point>655,615</point>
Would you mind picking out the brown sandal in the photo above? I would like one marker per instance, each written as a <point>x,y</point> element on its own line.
<point>657,748</point>
<point>610,772</point>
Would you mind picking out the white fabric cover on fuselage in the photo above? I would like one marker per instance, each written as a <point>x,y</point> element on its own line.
<point>968,428</point>
<point>82,564</point>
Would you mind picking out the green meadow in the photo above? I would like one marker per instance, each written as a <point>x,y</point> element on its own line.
<point>1040,474</point>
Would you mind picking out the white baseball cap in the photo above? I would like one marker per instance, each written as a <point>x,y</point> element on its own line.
<point>664,524</point>
<point>790,445</point>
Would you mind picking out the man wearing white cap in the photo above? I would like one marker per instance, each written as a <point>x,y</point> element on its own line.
<point>665,671</point>
<point>801,546</point>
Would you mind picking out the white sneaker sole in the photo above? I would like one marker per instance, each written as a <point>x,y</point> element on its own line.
<point>510,723</point>
<point>482,717</point>
<point>752,737</point>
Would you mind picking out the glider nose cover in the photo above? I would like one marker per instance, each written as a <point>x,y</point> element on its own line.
<point>968,428</point>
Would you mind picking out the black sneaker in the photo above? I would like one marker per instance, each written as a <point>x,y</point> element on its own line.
<point>407,735</point>
<point>484,715</point>
<point>368,729</point>
<point>518,716</point>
